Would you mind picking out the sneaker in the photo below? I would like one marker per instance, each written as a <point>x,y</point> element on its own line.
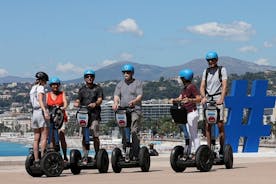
<point>192,156</point>
<point>65,159</point>
<point>127,159</point>
<point>36,164</point>
<point>84,160</point>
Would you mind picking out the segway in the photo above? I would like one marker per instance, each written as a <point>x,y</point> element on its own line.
<point>181,157</point>
<point>222,156</point>
<point>101,162</point>
<point>51,164</point>
<point>125,159</point>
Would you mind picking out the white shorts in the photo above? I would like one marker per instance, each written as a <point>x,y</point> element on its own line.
<point>38,120</point>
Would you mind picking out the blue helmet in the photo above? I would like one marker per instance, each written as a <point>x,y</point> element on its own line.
<point>89,72</point>
<point>211,55</point>
<point>54,80</point>
<point>128,67</point>
<point>187,74</point>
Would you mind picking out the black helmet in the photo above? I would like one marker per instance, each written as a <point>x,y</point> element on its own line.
<point>42,76</point>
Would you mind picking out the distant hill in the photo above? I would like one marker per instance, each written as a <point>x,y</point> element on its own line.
<point>153,72</point>
<point>9,79</point>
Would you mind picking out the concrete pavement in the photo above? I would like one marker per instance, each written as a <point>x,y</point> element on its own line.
<point>249,168</point>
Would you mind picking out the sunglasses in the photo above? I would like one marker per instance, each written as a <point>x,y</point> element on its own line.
<point>210,60</point>
<point>128,72</point>
<point>87,76</point>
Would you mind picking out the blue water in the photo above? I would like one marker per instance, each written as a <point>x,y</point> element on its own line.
<point>13,149</point>
<point>16,149</point>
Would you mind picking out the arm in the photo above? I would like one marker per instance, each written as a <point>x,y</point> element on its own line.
<point>202,92</point>
<point>135,101</point>
<point>195,100</point>
<point>77,101</point>
<point>41,104</point>
<point>116,102</point>
<point>65,104</point>
<point>97,103</point>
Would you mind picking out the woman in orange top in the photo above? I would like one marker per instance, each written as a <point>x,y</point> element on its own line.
<point>57,98</point>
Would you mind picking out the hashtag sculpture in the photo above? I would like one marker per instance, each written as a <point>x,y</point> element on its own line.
<point>254,128</point>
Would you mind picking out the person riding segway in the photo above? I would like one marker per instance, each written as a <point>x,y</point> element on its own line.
<point>213,89</point>
<point>127,106</point>
<point>88,118</point>
<point>126,158</point>
<point>184,112</point>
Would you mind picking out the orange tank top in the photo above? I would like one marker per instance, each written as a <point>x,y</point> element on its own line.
<point>58,101</point>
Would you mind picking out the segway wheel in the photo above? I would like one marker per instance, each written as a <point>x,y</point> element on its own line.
<point>228,156</point>
<point>204,158</point>
<point>115,158</point>
<point>75,157</point>
<point>52,164</point>
<point>144,159</point>
<point>102,161</point>
<point>176,154</point>
<point>34,172</point>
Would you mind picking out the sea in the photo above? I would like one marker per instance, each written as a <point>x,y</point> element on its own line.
<point>13,149</point>
<point>17,149</point>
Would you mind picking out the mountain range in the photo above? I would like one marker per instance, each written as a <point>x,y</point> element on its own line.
<point>153,72</point>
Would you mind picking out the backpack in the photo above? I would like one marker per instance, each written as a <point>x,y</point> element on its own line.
<point>208,71</point>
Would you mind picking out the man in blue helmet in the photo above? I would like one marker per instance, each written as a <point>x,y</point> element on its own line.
<point>214,86</point>
<point>128,93</point>
<point>91,96</point>
<point>189,96</point>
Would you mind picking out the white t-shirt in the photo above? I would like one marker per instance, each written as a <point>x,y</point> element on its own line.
<point>36,89</point>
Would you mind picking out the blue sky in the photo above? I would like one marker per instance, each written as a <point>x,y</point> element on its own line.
<point>65,37</point>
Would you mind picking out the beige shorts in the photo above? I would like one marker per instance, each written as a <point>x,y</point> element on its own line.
<point>95,127</point>
<point>38,120</point>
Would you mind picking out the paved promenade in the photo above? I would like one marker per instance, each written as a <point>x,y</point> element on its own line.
<point>249,168</point>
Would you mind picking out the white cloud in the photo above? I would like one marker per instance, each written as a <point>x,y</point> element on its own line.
<point>237,30</point>
<point>3,72</point>
<point>248,49</point>
<point>68,67</point>
<point>125,56</point>
<point>268,44</point>
<point>128,26</point>
<point>262,61</point>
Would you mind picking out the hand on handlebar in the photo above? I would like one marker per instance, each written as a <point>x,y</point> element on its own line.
<point>92,105</point>
<point>115,107</point>
<point>203,100</point>
<point>131,103</point>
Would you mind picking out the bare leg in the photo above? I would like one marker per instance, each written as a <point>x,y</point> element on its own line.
<point>44,135</point>
<point>63,144</point>
<point>36,143</point>
<point>208,134</point>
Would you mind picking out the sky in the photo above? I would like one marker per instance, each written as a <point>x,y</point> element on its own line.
<point>65,37</point>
